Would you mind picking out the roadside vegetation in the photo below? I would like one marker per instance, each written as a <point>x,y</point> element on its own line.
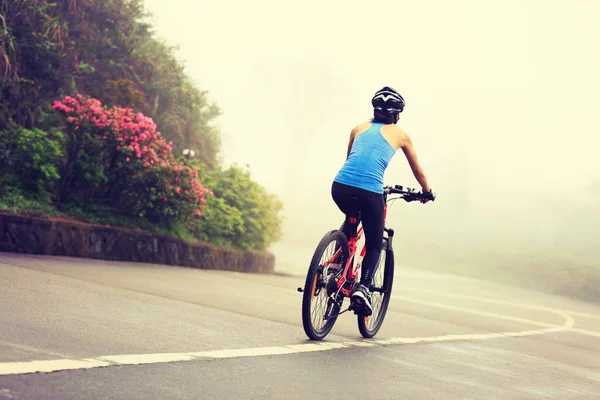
<point>97,119</point>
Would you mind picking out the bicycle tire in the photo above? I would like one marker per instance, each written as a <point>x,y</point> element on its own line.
<point>388,281</point>
<point>310,285</point>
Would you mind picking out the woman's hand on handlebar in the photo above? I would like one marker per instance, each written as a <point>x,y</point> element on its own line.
<point>427,196</point>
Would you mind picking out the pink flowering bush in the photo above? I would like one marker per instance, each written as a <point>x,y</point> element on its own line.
<point>116,157</point>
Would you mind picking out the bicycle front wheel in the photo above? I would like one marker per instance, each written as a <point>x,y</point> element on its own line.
<point>317,304</point>
<point>381,289</point>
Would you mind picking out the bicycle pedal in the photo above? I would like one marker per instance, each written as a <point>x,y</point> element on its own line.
<point>359,309</point>
<point>362,311</point>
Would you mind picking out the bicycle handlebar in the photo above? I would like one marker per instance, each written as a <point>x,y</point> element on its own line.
<point>408,194</point>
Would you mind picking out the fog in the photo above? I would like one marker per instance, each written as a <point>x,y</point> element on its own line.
<point>502,102</point>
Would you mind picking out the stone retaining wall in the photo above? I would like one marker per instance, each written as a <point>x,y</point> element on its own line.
<point>20,234</point>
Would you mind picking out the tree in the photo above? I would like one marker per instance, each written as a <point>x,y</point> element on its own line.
<point>248,218</point>
<point>105,50</point>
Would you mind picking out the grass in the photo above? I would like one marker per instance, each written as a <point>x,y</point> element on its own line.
<point>15,203</point>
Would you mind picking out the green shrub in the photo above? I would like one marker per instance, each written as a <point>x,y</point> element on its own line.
<point>14,201</point>
<point>244,213</point>
<point>29,160</point>
<point>116,158</point>
<point>221,223</point>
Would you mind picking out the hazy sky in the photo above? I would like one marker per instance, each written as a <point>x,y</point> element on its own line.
<point>500,94</point>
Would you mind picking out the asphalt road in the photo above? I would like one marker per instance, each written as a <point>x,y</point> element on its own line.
<point>102,330</point>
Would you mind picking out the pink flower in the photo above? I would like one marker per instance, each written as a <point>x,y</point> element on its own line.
<point>144,147</point>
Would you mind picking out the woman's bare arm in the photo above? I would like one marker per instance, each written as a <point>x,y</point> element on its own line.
<point>413,161</point>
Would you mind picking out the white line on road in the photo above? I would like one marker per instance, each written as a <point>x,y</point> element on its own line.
<point>13,368</point>
<point>585,332</point>
<point>569,322</point>
<point>504,302</point>
<point>32,349</point>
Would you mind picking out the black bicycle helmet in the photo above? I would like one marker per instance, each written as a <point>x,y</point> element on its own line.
<point>389,100</point>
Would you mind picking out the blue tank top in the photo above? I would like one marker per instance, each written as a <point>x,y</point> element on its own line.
<point>369,157</point>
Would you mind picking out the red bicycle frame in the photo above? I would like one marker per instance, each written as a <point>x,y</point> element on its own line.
<point>352,272</point>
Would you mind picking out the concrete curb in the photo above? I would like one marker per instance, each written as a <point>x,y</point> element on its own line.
<point>48,236</point>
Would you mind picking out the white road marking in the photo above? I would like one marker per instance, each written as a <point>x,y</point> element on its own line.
<point>503,302</point>
<point>569,322</point>
<point>13,368</point>
<point>581,314</point>
<point>585,332</point>
<point>127,359</point>
<point>567,314</point>
<point>250,352</point>
<point>32,349</point>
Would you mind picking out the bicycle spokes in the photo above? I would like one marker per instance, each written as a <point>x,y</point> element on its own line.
<point>377,289</point>
<point>320,299</point>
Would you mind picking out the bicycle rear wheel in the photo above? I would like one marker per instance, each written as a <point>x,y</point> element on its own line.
<point>315,298</point>
<point>381,291</point>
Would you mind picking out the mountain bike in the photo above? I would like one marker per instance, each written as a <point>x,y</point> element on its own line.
<point>329,285</point>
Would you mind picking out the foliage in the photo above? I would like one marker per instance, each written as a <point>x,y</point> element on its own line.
<point>120,86</point>
<point>245,215</point>
<point>30,161</point>
<point>13,200</point>
<point>221,224</point>
<point>116,157</point>
<point>102,49</point>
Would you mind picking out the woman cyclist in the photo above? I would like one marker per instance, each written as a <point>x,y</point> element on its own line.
<point>358,186</point>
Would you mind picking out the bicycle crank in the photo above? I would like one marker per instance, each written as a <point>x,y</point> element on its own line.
<point>335,315</point>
